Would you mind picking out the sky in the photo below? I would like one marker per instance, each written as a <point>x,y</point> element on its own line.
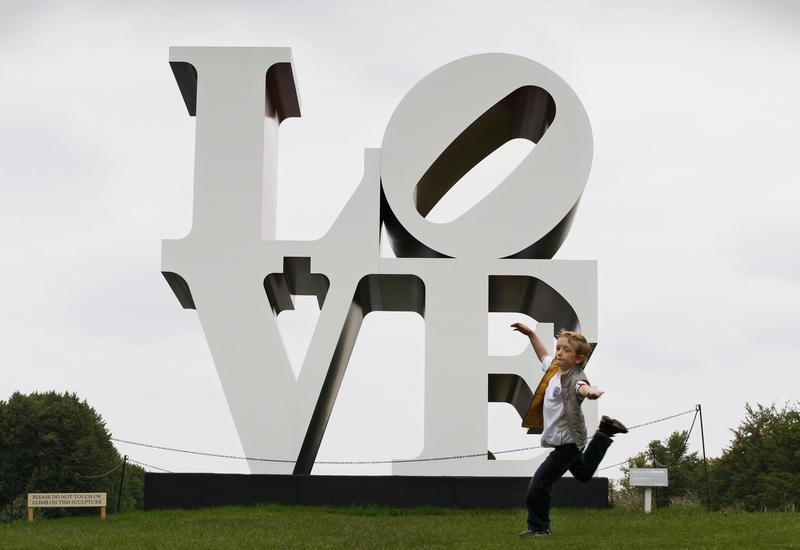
<point>690,210</point>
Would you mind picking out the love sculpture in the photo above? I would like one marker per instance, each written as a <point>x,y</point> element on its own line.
<point>496,257</point>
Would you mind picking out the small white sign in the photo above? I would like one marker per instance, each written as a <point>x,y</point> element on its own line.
<point>65,500</point>
<point>648,477</point>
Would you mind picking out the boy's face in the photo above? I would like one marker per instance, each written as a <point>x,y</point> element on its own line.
<point>565,354</point>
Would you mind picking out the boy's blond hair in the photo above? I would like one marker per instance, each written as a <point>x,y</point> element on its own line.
<point>578,342</point>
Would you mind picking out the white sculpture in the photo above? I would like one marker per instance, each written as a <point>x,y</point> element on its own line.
<point>493,258</point>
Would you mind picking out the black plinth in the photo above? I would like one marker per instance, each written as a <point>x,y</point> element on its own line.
<point>169,491</point>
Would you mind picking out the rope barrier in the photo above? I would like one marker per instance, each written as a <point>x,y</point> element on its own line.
<point>201,453</point>
<point>692,410</point>
<point>385,461</point>
<point>148,465</point>
<point>613,465</point>
<point>288,461</point>
<point>115,468</point>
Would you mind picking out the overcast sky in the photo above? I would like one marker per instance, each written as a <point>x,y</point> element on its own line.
<point>690,210</point>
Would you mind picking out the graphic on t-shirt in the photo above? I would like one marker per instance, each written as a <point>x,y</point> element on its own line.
<point>556,392</point>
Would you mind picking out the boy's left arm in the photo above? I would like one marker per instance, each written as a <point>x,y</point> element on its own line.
<point>584,390</point>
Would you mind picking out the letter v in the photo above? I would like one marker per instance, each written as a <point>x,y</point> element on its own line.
<point>274,412</point>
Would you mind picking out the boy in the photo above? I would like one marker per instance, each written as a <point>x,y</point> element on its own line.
<point>555,412</point>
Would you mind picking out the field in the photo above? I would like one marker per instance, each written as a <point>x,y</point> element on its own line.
<point>374,528</point>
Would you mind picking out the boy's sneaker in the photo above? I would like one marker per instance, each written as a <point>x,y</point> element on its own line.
<point>530,533</point>
<point>611,426</point>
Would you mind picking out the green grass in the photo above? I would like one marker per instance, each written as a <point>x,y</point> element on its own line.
<point>374,528</point>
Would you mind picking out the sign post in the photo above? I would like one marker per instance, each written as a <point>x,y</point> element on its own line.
<point>648,478</point>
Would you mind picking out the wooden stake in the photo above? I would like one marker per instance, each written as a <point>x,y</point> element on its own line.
<point>30,513</point>
<point>102,512</point>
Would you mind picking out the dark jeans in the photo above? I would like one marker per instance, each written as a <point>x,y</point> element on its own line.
<point>582,465</point>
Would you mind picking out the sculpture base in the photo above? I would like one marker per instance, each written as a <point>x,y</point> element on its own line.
<point>170,491</point>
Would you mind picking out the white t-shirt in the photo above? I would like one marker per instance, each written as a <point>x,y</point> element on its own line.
<point>556,430</point>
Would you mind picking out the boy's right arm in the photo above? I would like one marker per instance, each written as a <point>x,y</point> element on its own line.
<point>538,346</point>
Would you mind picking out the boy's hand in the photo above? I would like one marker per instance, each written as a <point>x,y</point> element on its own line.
<point>538,347</point>
<point>593,394</point>
<point>524,329</point>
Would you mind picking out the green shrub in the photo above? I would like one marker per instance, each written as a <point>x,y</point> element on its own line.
<point>760,470</point>
<point>51,442</point>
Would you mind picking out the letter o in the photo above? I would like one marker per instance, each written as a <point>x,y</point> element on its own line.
<point>454,118</point>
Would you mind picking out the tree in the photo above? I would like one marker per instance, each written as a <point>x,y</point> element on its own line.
<point>761,468</point>
<point>51,442</point>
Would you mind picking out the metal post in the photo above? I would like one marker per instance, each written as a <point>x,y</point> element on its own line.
<point>13,483</point>
<point>649,491</point>
<point>121,479</point>
<point>705,461</point>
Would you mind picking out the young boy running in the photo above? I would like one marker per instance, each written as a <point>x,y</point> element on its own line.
<point>555,412</point>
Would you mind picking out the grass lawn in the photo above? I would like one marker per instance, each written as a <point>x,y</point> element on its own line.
<point>306,527</point>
